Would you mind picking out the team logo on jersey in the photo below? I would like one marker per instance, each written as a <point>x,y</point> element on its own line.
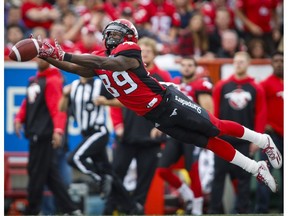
<point>174,113</point>
<point>32,92</point>
<point>238,99</point>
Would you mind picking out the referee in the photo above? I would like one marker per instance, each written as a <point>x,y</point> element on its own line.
<point>90,157</point>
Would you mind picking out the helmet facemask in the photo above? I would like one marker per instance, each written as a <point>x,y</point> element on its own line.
<point>110,42</point>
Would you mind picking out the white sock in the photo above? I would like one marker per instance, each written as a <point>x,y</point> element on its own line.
<point>255,137</point>
<point>197,206</point>
<point>245,163</point>
<point>185,192</point>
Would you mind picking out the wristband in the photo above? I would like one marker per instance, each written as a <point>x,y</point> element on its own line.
<point>67,57</point>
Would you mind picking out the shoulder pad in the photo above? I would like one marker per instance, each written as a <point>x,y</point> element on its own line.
<point>128,45</point>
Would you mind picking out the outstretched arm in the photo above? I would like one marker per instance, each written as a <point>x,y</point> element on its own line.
<point>86,61</point>
<point>119,63</point>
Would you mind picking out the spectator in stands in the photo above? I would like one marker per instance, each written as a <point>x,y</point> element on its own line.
<point>256,49</point>
<point>142,31</point>
<point>274,88</point>
<point>200,90</point>
<point>86,6</point>
<point>114,8</point>
<point>58,31</point>
<point>92,11</point>
<point>133,136</point>
<point>257,17</point>
<point>229,44</point>
<point>40,32</point>
<point>73,25</point>
<point>88,42</point>
<point>209,8</point>
<point>160,17</point>
<point>185,10</point>
<point>194,40</point>
<point>14,17</point>
<point>222,21</point>
<point>44,128</point>
<point>63,7</point>
<point>38,13</point>
<point>240,99</point>
<point>13,34</point>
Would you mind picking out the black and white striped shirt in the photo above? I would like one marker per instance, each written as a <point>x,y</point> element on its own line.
<point>88,116</point>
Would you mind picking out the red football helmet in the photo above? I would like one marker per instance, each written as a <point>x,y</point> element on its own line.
<point>125,27</point>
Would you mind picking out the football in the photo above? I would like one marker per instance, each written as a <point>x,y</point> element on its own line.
<point>25,50</point>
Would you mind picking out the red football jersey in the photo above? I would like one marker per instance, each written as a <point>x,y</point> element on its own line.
<point>162,17</point>
<point>26,6</point>
<point>274,91</point>
<point>135,89</point>
<point>258,12</point>
<point>209,12</point>
<point>194,88</point>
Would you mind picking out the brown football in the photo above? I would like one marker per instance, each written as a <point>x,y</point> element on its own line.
<point>25,50</point>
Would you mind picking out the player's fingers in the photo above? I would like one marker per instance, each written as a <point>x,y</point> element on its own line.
<point>56,43</point>
<point>48,45</point>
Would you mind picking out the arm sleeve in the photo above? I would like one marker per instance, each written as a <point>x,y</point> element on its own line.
<point>21,115</point>
<point>53,93</point>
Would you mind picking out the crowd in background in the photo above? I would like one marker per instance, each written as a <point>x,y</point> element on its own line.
<point>206,29</point>
<point>186,28</point>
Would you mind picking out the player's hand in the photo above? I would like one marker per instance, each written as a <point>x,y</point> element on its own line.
<point>18,128</point>
<point>56,140</point>
<point>47,50</point>
<point>59,51</point>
